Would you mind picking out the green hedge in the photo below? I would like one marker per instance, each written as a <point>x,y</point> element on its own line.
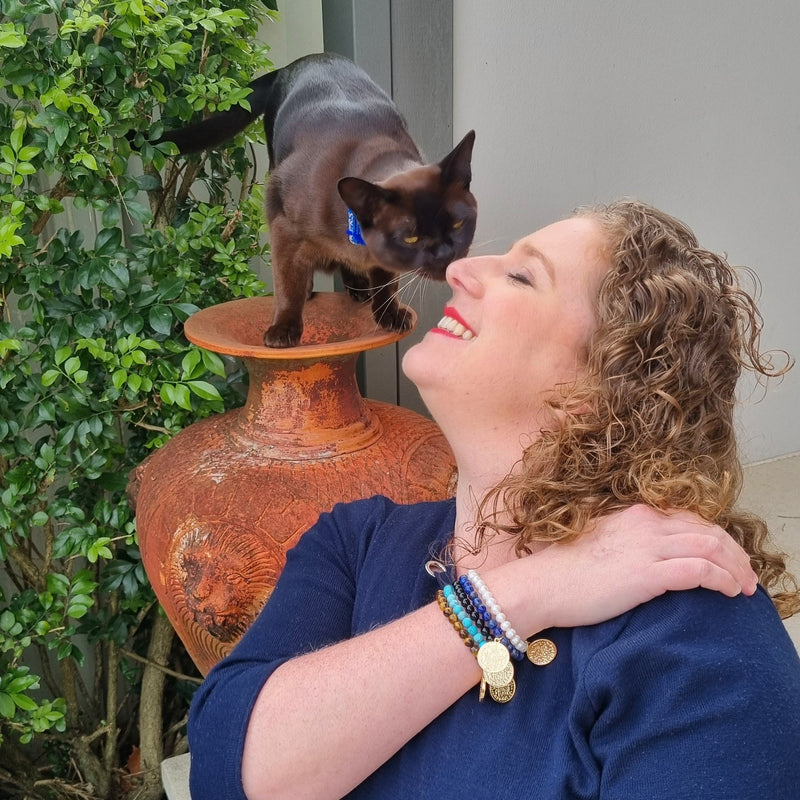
<point>94,368</point>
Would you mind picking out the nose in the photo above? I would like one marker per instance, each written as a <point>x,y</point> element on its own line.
<point>469,274</point>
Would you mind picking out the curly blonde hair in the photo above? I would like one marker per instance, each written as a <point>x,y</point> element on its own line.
<point>652,419</point>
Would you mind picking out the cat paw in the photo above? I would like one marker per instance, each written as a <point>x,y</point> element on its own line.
<point>283,334</point>
<point>396,318</point>
<point>359,295</point>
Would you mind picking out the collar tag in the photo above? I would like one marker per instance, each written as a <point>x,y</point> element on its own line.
<point>354,229</point>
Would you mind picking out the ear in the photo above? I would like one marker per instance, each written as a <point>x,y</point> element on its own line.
<point>362,198</point>
<point>456,165</point>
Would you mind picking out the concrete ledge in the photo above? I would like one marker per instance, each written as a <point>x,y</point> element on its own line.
<point>175,777</point>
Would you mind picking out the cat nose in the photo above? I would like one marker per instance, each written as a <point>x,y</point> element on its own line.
<point>444,252</point>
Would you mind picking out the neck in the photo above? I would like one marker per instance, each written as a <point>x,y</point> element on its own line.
<point>475,481</point>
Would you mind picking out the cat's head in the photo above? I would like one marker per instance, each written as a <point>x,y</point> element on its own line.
<point>420,219</point>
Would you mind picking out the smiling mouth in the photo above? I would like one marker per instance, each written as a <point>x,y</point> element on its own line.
<point>455,328</point>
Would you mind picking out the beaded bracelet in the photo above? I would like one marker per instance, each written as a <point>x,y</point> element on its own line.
<point>495,625</point>
<point>466,614</point>
<point>493,607</point>
<point>469,617</point>
<point>461,629</point>
<point>469,608</point>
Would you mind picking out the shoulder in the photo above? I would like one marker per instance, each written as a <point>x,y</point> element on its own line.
<point>357,527</point>
<point>699,642</point>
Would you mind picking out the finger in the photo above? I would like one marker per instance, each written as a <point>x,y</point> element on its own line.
<point>717,548</point>
<point>679,574</point>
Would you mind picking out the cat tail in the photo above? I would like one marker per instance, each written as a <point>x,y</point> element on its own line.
<point>219,128</point>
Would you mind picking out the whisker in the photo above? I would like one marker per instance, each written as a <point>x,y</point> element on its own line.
<point>479,248</point>
<point>410,279</point>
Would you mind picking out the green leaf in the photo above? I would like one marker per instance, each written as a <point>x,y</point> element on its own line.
<point>170,288</point>
<point>167,394</point>
<point>108,241</point>
<point>190,361</point>
<point>7,707</point>
<point>24,702</point>
<point>160,318</point>
<point>182,396</point>
<point>50,377</point>
<point>213,363</point>
<point>62,354</point>
<point>111,215</point>
<point>27,153</point>
<point>61,129</point>
<point>204,390</point>
<point>118,378</point>
<point>116,275</point>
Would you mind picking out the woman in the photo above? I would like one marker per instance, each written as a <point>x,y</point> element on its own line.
<point>584,374</point>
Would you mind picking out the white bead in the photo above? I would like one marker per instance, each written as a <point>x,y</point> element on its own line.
<point>501,618</point>
<point>505,625</point>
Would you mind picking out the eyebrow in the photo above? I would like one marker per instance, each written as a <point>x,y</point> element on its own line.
<point>533,252</point>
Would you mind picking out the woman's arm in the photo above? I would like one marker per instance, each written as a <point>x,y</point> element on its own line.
<point>325,720</point>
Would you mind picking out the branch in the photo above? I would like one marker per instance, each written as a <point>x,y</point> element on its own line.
<point>149,427</point>
<point>151,706</point>
<point>166,670</point>
<point>29,570</point>
<point>58,192</point>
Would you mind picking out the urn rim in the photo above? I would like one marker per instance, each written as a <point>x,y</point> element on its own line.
<point>334,324</point>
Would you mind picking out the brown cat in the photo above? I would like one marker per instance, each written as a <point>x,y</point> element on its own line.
<point>348,188</point>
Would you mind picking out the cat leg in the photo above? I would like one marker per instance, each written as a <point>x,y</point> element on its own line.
<point>293,275</point>
<point>356,283</point>
<point>388,313</point>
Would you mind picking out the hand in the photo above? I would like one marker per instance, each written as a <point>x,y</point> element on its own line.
<point>632,556</point>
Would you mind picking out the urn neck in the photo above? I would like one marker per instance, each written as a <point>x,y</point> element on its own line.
<point>305,409</point>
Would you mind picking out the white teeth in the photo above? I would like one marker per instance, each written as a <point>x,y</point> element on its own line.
<point>456,328</point>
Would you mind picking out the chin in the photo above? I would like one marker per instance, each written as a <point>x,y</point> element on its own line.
<point>424,369</point>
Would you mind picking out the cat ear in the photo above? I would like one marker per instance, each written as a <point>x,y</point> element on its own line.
<point>456,165</point>
<point>361,197</point>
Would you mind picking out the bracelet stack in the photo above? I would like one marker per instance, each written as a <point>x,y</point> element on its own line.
<point>479,621</point>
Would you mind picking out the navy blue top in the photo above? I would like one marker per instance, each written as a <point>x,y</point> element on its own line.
<point>691,696</point>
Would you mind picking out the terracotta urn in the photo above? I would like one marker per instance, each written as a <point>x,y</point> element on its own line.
<point>218,506</point>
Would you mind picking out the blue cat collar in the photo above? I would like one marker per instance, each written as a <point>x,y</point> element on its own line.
<point>354,229</point>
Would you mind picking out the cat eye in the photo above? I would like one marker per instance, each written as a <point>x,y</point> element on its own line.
<point>411,239</point>
<point>457,224</point>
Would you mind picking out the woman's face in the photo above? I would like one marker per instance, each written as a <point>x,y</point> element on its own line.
<point>517,326</point>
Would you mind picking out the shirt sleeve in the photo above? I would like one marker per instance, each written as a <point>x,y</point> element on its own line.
<point>310,607</point>
<point>698,697</point>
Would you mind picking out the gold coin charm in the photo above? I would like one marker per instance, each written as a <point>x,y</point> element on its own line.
<point>541,651</point>
<point>502,694</point>
<point>502,678</point>
<point>493,657</point>
<point>482,691</point>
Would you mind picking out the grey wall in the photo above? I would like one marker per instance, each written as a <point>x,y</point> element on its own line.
<point>692,106</point>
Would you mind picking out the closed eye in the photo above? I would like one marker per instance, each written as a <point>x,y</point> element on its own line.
<point>520,278</point>
<point>457,224</point>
